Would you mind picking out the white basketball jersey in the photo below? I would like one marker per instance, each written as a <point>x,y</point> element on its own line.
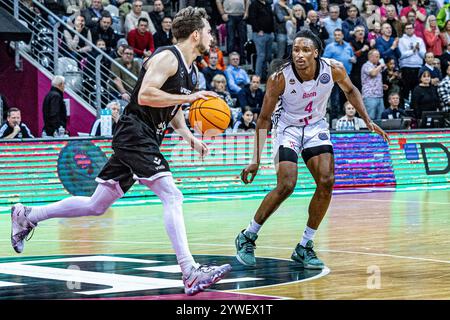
<point>304,102</point>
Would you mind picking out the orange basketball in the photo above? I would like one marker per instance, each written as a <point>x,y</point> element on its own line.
<point>209,117</point>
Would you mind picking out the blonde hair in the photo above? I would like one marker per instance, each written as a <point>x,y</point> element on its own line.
<point>427,22</point>
<point>219,77</point>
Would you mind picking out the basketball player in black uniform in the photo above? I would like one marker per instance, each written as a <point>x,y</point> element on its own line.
<point>166,81</point>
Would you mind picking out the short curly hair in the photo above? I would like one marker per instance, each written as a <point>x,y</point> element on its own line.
<point>187,21</point>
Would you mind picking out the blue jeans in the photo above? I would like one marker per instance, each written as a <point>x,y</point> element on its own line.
<point>374,107</point>
<point>236,24</point>
<point>263,52</point>
<point>281,45</point>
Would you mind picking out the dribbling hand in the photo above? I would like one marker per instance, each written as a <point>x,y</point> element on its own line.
<point>202,95</point>
<point>250,169</point>
<point>200,147</point>
<point>375,128</point>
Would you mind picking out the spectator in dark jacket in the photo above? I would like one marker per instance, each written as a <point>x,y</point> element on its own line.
<point>261,19</point>
<point>93,14</point>
<point>352,21</point>
<point>163,37</point>
<point>387,45</point>
<point>211,70</point>
<point>157,15</point>
<point>13,128</point>
<point>54,108</point>
<point>104,31</point>
<point>252,96</point>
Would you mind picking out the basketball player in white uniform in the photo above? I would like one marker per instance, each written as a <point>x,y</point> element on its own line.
<point>295,101</point>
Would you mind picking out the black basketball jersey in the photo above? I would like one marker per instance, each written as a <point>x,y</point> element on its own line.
<point>144,126</point>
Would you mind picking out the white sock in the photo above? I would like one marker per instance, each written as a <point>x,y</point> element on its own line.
<point>308,234</point>
<point>172,200</point>
<point>104,196</point>
<point>253,227</point>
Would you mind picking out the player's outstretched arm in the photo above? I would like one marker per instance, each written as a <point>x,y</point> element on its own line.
<point>354,97</point>
<point>274,88</point>
<point>159,69</point>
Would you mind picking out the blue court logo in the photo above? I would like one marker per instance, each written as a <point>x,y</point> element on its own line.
<point>324,78</point>
<point>79,163</point>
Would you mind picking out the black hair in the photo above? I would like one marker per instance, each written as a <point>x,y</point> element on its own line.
<point>279,64</point>
<point>306,33</point>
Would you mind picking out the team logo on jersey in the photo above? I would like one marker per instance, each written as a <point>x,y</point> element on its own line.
<point>324,78</point>
<point>293,92</point>
<point>137,276</point>
<point>157,161</point>
<point>194,78</point>
<point>323,136</point>
<point>291,81</point>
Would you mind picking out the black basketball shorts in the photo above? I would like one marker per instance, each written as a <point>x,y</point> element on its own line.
<point>128,166</point>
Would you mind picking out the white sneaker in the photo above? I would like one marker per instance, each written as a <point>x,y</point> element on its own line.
<point>20,226</point>
<point>203,277</point>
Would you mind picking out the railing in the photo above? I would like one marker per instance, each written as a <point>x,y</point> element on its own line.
<point>87,77</point>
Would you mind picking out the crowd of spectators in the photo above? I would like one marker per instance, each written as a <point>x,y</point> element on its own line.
<point>392,49</point>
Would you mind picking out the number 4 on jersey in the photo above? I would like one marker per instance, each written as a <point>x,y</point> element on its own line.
<point>308,107</point>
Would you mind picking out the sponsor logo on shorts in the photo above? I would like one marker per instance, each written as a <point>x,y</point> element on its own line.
<point>324,78</point>
<point>323,136</point>
<point>157,161</point>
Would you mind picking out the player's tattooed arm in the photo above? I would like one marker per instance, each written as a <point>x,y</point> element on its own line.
<point>354,96</point>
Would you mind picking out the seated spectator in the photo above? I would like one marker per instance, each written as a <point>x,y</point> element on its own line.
<point>74,46</point>
<point>391,79</point>
<point>372,85</point>
<point>211,70</point>
<point>436,75</point>
<point>132,19</point>
<point>424,96</point>
<point>331,23</point>
<point>123,82</point>
<point>93,14</point>
<point>57,7</point>
<point>444,91</point>
<point>252,96</point>
<point>219,85</point>
<point>349,24</point>
<point>393,112</point>
<point>164,37</point>
<point>214,48</point>
<point>374,34</point>
<point>157,15</point>
<point>387,45</point>
<point>434,39</point>
<point>236,76</point>
<point>141,39</point>
<point>115,108</point>
<point>245,123</point>
<point>13,128</point>
<point>445,58</point>
<point>54,109</point>
<point>121,44</point>
<point>349,121</point>
<point>104,31</point>
<point>316,26</point>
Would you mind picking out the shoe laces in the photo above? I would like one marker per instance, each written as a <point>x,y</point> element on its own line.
<point>310,253</point>
<point>249,244</point>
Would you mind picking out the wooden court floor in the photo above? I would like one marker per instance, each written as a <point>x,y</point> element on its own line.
<point>376,245</point>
